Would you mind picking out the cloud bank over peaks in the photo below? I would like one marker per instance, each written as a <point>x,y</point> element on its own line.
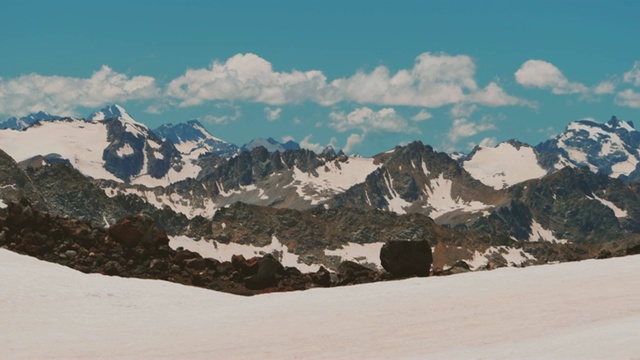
<point>62,95</point>
<point>435,80</point>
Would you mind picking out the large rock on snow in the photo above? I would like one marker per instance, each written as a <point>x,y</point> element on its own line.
<point>406,258</point>
<point>138,229</point>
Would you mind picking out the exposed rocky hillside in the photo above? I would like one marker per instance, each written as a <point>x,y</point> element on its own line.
<point>297,179</point>
<point>570,205</point>
<point>417,179</point>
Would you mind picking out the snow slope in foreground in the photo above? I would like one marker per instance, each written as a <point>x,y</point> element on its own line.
<point>579,310</point>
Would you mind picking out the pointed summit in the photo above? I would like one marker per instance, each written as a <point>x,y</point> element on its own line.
<point>118,112</point>
<point>113,111</point>
<point>616,123</point>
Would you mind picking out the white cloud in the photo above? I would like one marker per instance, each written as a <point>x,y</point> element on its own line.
<point>287,138</point>
<point>544,75</point>
<point>422,116</point>
<point>272,114</point>
<point>434,80</point>
<point>605,87</point>
<point>227,113</point>
<point>494,95</point>
<point>489,142</point>
<point>463,128</point>
<point>62,95</point>
<point>316,147</point>
<point>248,77</point>
<point>368,120</point>
<point>463,110</point>
<point>352,141</point>
<point>633,75</point>
<point>628,98</point>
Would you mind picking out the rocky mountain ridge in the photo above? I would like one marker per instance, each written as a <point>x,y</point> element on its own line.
<point>526,209</point>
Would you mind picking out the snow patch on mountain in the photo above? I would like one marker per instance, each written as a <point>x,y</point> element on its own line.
<point>539,233</point>
<point>395,203</point>
<point>125,150</point>
<point>504,165</point>
<point>79,141</point>
<point>204,207</point>
<point>224,252</point>
<point>333,177</point>
<point>360,253</point>
<point>512,256</point>
<point>619,213</point>
<point>442,202</point>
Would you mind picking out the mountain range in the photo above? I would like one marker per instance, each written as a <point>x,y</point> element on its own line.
<point>570,197</point>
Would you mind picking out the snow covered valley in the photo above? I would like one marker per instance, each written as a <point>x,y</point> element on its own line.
<point>588,309</point>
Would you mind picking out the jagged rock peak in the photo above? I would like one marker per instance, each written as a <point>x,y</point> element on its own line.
<point>616,123</point>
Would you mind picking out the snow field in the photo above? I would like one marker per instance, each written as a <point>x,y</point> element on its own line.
<point>588,309</point>
<point>504,165</point>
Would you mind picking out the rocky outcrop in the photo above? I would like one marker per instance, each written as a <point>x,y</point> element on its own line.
<point>406,258</point>
<point>136,247</point>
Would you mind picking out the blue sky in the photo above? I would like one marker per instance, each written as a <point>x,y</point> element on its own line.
<point>361,75</point>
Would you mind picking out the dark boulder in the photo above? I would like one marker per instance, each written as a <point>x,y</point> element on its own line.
<point>406,258</point>
<point>267,275</point>
<point>138,229</point>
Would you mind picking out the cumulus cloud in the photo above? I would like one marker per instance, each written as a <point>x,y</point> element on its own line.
<point>62,95</point>
<point>316,147</point>
<point>422,116</point>
<point>544,75</point>
<point>628,98</point>
<point>433,81</point>
<point>463,110</point>
<point>352,141</point>
<point>248,77</point>
<point>463,128</point>
<point>605,87</point>
<point>272,114</point>
<point>633,75</point>
<point>368,120</point>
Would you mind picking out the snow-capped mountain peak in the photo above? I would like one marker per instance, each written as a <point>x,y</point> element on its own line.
<point>118,112</point>
<point>110,112</point>
<point>609,148</point>
<point>193,140</point>
<point>616,123</point>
